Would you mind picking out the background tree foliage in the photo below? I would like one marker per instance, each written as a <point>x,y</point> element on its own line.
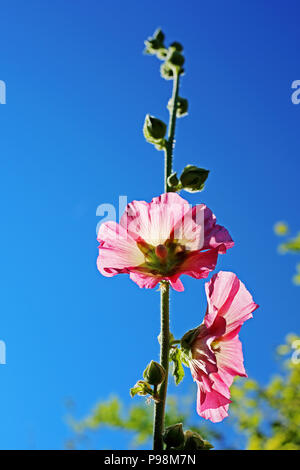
<point>291,245</point>
<point>269,416</point>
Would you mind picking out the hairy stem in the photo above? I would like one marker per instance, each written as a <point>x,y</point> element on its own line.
<point>171,131</point>
<point>159,412</point>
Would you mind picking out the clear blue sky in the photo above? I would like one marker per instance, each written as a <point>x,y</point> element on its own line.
<point>78,88</point>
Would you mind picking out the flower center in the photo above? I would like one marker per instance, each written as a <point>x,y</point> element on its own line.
<point>162,259</point>
<point>161,252</point>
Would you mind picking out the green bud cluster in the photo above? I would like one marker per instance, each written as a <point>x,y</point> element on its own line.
<point>194,442</point>
<point>155,45</point>
<point>154,374</point>
<point>192,179</point>
<point>172,56</point>
<point>174,61</point>
<point>175,438</point>
<point>154,131</point>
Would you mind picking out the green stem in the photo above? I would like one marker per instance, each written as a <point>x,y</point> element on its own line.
<point>171,131</point>
<point>159,411</point>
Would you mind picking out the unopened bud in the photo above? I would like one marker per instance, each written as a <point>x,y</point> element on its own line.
<point>175,58</point>
<point>154,374</point>
<point>194,442</point>
<point>159,35</point>
<point>174,435</point>
<point>182,106</point>
<point>173,181</point>
<point>155,43</point>
<point>166,71</point>
<point>177,46</point>
<point>193,178</point>
<point>154,131</point>
<point>154,127</point>
<point>162,53</point>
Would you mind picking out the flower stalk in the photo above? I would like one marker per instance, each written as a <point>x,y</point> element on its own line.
<point>159,410</point>
<point>171,129</point>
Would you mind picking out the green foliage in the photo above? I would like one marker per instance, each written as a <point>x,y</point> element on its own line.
<point>137,420</point>
<point>292,245</point>
<point>178,370</point>
<point>269,416</point>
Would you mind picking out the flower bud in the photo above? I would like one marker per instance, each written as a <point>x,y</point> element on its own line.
<point>162,53</point>
<point>194,442</point>
<point>182,106</point>
<point>155,43</point>
<point>159,35</point>
<point>155,131</point>
<point>174,435</point>
<point>177,46</point>
<point>193,178</point>
<point>154,374</point>
<point>155,128</point>
<point>173,181</point>
<point>166,71</point>
<point>175,58</point>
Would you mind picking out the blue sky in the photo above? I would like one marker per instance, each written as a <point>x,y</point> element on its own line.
<point>78,88</point>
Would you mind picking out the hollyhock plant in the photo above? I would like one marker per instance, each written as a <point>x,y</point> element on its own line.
<point>157,242</point>
<point>161,240</point>
<point>214,350</point>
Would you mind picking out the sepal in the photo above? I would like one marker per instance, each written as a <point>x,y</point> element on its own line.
<point>141,388</point>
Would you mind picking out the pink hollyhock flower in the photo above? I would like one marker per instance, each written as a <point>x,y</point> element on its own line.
<point>161,240</point>
<point>214,350</point>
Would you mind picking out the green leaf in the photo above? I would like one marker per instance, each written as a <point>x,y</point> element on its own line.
<point>178,370</point>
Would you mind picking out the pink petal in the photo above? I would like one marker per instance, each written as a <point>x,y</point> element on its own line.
<point>230,360</point>
<point>228,297</point>
<point>154,221</point>
<point>143,280</point>
<point>199,264</point>
<point>176,283</point>
<point>215,235</point>
<point>211,404</point>
<point>117,251</point>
